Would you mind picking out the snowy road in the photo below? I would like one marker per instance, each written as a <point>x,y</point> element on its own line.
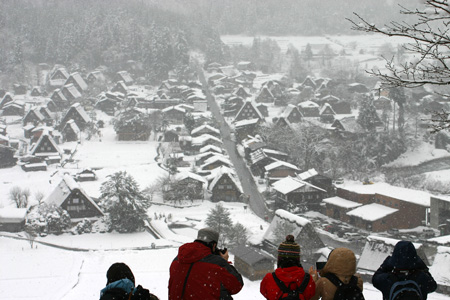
<point>248,185</point>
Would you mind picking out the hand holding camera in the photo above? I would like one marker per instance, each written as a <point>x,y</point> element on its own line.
<point>222,252</point>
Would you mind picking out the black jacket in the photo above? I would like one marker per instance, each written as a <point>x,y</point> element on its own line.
<point>402,265</point>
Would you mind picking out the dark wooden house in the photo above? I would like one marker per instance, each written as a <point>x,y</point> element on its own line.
<point>34,117</point>
<point>77,113</point>
<point>291,191</point>
<point>70,131</point>
<point>248,111</point>
<point>77,81</point>
<point>125,77</point>
<point>292,114</point>
<point>225,187</point>
<point>120,87</point>
<point>309,109</point>
<point>265,96</point>
<point>45,147</point>
<point>69,195</point>
<point>59,99</point>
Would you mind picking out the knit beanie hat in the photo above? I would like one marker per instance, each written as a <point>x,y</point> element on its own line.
<point>289,249</point>
<point>119,271</point>
<point>207,235</point>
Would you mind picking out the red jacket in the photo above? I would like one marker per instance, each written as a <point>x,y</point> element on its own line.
<point>294,275</point>
<point>211,277</point>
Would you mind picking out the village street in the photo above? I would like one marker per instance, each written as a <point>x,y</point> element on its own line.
<point>256,201</point>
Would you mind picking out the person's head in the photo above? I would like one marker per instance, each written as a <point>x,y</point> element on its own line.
<point>288,253</point>
<point>119,271</point>
<point>208,237</point>
<point>404,257</point>
<point>341,261</point>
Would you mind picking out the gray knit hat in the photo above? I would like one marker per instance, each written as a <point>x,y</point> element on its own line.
<point>208,235</point>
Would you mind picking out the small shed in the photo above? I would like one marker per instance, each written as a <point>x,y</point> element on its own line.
<point>12,219</point>
<point>253,263</point>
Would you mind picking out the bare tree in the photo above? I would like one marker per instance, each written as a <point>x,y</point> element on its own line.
<point>15,195</point>
<point>429,41</point>
<point>19,196</point>
<point>39,196</point>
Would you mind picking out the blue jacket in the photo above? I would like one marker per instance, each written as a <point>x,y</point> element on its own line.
<point>403,264</point>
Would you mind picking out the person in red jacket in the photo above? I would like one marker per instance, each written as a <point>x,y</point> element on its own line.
<point>201,272</point>
<point>290,272</point>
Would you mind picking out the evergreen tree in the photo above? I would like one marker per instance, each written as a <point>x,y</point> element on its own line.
<point>126,204</point>
<point>368,117</point>
<point>308,54</point>
<point>219,219</point>
<point>237,235</point>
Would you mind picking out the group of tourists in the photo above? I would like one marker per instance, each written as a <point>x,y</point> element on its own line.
<point>201,271</point>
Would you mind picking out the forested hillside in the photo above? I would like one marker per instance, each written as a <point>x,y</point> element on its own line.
<point>286,17</point>
<point>85,34</point>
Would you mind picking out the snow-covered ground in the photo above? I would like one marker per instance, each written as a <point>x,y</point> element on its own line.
<point>424,152</point>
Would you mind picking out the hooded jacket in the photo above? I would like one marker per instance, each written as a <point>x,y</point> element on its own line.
<point>211,277</point>
<point>292,277</point>
<point>121,290</point>
<point>403,264</point>
<point>342,263</point>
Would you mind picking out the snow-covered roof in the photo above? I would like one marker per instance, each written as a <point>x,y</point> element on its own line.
<point>205,127</point>
<point>307,174</point>
<point>12,215</point>
<point>82,112</point>
<point>217,158</point>
<point>79,80</point>
<point>338,201</point>
<point>290,184</point>
<point>200,140</point>
<point>209,153</point>
<point>271,151</point>
<point>441,240</point>
<point>280,163</point>
<point>221,172</point>
<point>375,252</point>
<point>44,135</point>
<point>63,190</point>
<point>184,175</point>
<point>325,107</point>
<point>246,122</point>
<point>439,268</point>
<point>281,216</point>
<point>408,195</point>
<point>372,212</point>
<point>72,90</point>
<point>171,108</point>
<point>308,103</point>
<point>288,110</point>
<point>210,148</point>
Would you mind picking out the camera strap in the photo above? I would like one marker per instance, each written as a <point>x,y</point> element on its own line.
<point>185,281</point>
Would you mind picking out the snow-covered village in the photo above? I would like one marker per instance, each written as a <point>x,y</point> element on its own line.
<point>129,127</point>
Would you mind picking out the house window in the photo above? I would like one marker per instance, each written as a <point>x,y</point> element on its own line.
<point>75,200</point>
<point>220,187</point>
<point>229,187</point>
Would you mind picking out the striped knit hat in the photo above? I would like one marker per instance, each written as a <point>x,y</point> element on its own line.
<point>289,248</point>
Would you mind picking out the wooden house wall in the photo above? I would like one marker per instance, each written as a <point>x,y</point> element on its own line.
<point>78,206</point>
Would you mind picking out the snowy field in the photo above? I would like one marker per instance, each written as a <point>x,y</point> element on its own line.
<point>363,49</point>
